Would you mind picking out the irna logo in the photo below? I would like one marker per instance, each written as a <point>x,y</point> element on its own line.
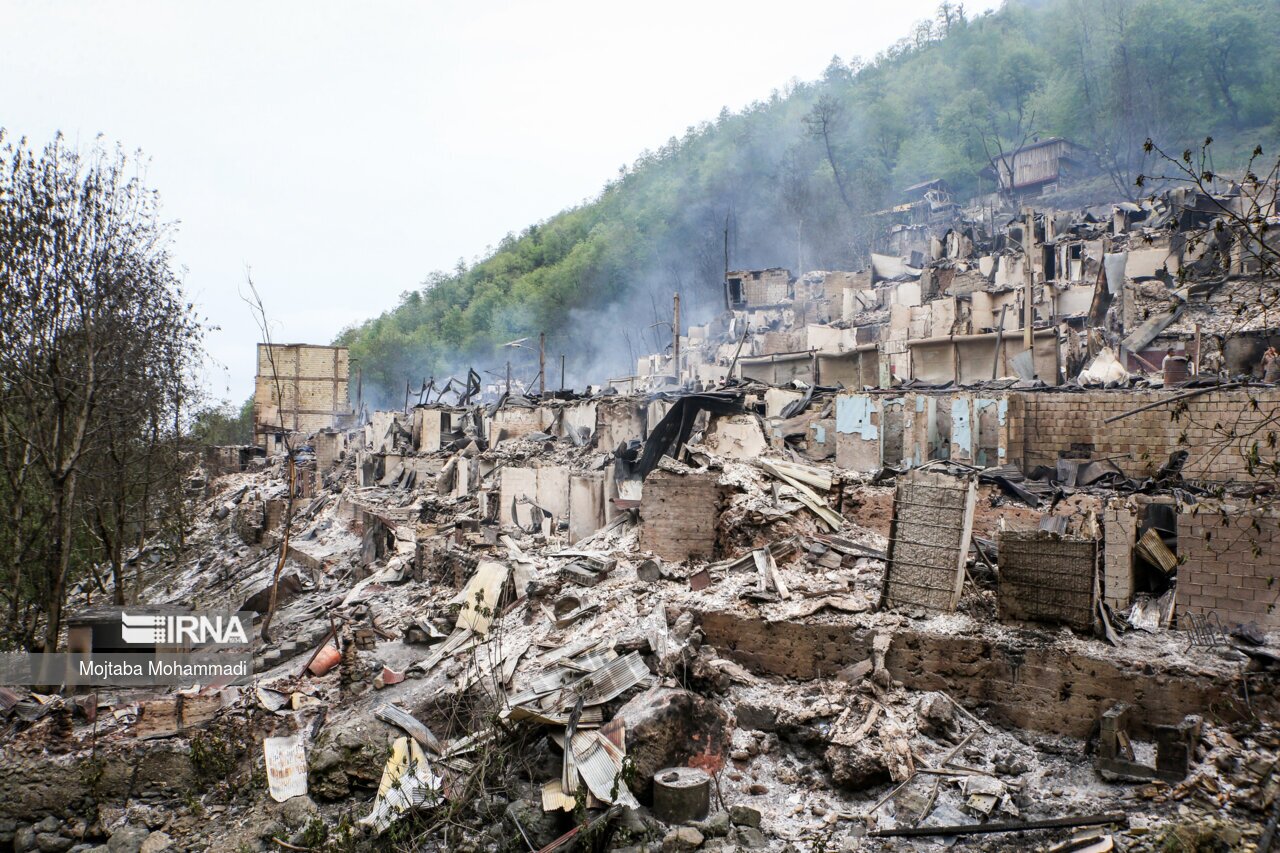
<point>175,629</point>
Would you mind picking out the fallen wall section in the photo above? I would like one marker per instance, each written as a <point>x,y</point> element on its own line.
<point>929,541</point>
<point>1042,688</point>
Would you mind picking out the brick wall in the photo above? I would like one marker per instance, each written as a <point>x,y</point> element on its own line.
<point>513,422</point>
<point>1229,567</point>
<point>1119,533</point>
<point>772,287</point>
<point>1041,687</point>
<point>1054,422</point>
<point>780,342</point>
<point>680,512</point>
<point>307,388</point>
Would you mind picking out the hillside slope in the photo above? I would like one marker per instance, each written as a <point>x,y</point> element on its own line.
<point>791,179</point>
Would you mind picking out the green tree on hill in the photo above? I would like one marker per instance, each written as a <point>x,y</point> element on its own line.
<point>795,176</point>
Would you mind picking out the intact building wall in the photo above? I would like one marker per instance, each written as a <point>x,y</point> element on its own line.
<point>302,387</point>
<point>1229,567</point>
<point>1052,424</point>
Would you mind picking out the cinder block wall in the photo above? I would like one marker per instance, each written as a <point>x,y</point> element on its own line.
<point>311,379</point>
<point>1231,568</point>
<point>1053,422</point>
<point>1119,533</point>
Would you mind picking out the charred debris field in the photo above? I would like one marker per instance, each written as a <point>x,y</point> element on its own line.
<point>911,482</point>
<point>975,546</point>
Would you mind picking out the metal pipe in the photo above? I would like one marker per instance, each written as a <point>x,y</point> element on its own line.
<point>1174,399</point>
<point>1029,310</point>
<point>995,362</point>
<point>1013,826</point>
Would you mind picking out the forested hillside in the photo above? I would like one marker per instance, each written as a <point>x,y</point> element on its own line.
<point>792,178</point>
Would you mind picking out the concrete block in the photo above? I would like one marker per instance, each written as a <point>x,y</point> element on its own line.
<point>516,484</point>
<point>553,490</point>
<point>736,437</point>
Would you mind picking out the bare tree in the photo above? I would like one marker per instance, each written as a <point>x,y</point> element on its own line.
<point>259,311</point>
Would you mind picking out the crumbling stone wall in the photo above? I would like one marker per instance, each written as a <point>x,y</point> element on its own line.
<point>617,422</point>
<point>1043,688</point>
<point>1231,567</point>
<point>1053,423</point>
<point>513,422</point>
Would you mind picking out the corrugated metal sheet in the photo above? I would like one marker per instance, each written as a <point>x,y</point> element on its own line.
<point>591,717</point>
<point>599,763</point>
<point>542,685</point>
<point>407,782</point>
<point>553,798</point>
<point>611,681</point>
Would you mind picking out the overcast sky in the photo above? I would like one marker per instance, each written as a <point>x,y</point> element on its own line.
<point>343,151</point>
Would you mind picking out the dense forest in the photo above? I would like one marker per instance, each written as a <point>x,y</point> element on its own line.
<point>790,181</point>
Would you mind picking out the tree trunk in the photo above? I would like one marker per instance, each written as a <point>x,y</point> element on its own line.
<point>284,555</point>
<point>831,158</point>
<point>60,563</point>
<point>117,558</point>
<point>1223,80</point>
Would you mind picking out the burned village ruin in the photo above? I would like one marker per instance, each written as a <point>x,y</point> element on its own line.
<point>966,543</point>
<point>971,541</point>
